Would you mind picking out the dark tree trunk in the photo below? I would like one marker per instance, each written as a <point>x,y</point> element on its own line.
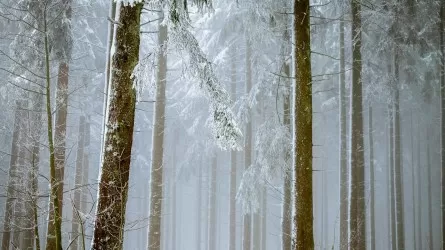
<point>113,187</point>
<point>303,221</point>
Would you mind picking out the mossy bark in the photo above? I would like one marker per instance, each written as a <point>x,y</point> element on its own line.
<point>303,220</point>
<point>113,186</point>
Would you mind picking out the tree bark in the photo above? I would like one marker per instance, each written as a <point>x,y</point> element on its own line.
<point>286,221</point>
<point>199,207</point>
<point>442,110</point>
<point>391,177</point>
<point>398,172</point>
<point>344,180</point>
<point>264,220</point>
<point>60,132</point>
<point>357,202</point>
<point>174,191</point>
<point>430,200</point>
<point>413,185</point>
<point>113,187</point>
<point>248,145</point>
<point>419,191</point>
<point>212,206</point>
<point>75,226</point>
<point>9,209</point>
<point>303,221</point>
<point>232,201</point>
<point>371,179</point>
<point>156,182</point>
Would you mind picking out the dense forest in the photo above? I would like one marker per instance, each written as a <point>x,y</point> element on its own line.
<point>222,124</point>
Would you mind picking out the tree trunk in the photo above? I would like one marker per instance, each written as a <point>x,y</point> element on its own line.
<point>199,207</point>
<point>9,209</point>
<point>35,161</point>
<point>212,206</point>
<point>430,200</point>
<point>85,171</point>
<point>60,131</point>
<point>286,221</point>
<point>75,226</point>
<point>343,160</point>
<point>156,182</point>
<point>419,191</point>
<point>397,161</point>
<point>442,109</point>
<point>264,221</point>
<point>232,201</point>
<point>248,145</point>
<point>303,221</point>
<point>113,187</point>
<point>371,179</point>
<point>392,176</point>
<point>174,223</point>
<point>357,202</point>
<point>256,237</point>
<point>413,186</point>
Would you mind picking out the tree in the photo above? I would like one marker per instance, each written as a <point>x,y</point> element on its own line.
<point>248,146</point>
<point>212,205</point>
<point>6,237</point>
<point>75,226</point>
<point>303,221</point>
<point>156,182</point>
<point>343,160</point>
<point>371,179</point>
<point>233,170</point>
<point>113,187</point>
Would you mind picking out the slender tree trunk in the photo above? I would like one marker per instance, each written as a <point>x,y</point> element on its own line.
<point>174,198</point>
<point>113,187</point>
<point>174,224</point>
<point>199,208</point>
<point>371,179</point>
<point>391,177</point>
<point>256,237</point>
<point>419,191</point>
<point>398,172</point>
<point>54,234</point>
<point>60,131</point>
<point>85,171</point>
<point>413,182</point>
<point>442,121</point>
<point>286,221</point>
<point>212,206</point>
<point>303,221</point>
<point>343,160</point>
<point>248,145</point>
<point>430,200</point>
<point>388,181</point>
<point>35,161</point>
<point>232,201</point>
<point>264,221</point>
<point>357,202</point>
<point>9,209</point>
<point>20,190</point>
<point>75,226</point>
<point>154,230</point>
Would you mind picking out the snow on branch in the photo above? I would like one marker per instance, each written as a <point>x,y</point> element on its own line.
<point>223,124</point>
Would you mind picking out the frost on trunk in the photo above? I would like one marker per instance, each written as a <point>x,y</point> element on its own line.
<point>75,224</point>
<point>357,222</point>
<point>303,221</point>
<point>113,186</point>
<point>156,172</point>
